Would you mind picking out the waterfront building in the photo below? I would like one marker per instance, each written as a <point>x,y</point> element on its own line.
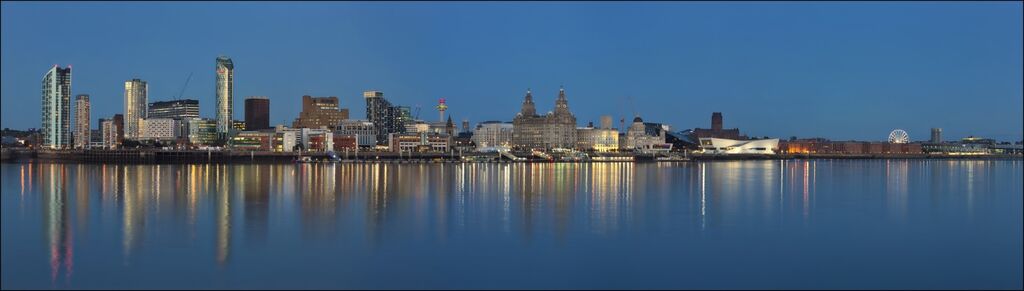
<point>463,142</point>
<point>83,132</point>
<point>556,129</point>
<point>824,146</point>
<point>493,134</point>
<point>319,112</point>
<point>363,131</point>
<point>95,139</point>
<point>418,142</point>
<point>159,129</point>
<point>200,131</point>
<point>978,140</point>
<point>956,148</point>
<point>253,141</point>
<point>284,141</point>
<point>386,118</point>
<point>597,139</point>
<point>717,130</point>
<point>346,142</point>
<point>316,140</point>
<point>936,135</point>
<point>257,113</point>
<point>135,100</point>
<point>56,108</point>
<point>236,126</point>
<point>731,146</point>
<point>643,138</point>
<point>175,109</point>
<point>310,139</point>
<point>225,90</point>
<point>119,125</point>
<point>108,132</point>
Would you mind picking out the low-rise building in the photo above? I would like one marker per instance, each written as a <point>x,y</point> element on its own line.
<point>422,142</point>
<point>731,146</point>
<point>200,131</point>
<point>824,146</point>
<point>310,139</point>
<point>346,142</point>
<point>640,139</point>
<point>363,131</point>
<point>253,141</point>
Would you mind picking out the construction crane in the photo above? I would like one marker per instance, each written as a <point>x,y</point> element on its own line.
<point>182,92</point>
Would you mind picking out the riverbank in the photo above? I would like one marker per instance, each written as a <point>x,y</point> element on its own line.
<point>186,156</point>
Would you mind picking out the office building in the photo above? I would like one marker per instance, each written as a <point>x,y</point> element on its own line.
<point>175,109</point>
<point>494,135</point>
<point>362,130</point>
<point>83,132</point>
<point>159,129</point>
<point>556,129</point>
<point>135,101</point>
<point>936,135</point>
<point>237,125</point>
<point>385,117</point>
<point>307,139</point>
<point>56,108</point>
<point>597,139</point>
<point>225,88</point>
<point>108,131</point>
<point>257,113</point>
<point>200,131</point>
<point>318,112</point>
<point>119,126</point>
<point>250,140</point>
<point>418,142</point>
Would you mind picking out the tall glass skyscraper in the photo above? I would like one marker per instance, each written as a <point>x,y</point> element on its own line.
<point>136,93</point>
<point>56,111</point>
<point>225,93</point>
<point>83,131</point>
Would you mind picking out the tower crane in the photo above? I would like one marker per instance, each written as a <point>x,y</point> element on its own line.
<point>182,92</point>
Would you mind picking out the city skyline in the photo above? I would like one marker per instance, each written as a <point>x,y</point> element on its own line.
<point>754,101</point>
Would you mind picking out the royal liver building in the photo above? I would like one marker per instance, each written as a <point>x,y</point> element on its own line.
<point>556,129</point>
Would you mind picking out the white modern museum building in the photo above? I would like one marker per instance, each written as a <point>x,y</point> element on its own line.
<point>731,146</point>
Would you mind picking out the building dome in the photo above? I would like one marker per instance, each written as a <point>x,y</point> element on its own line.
<point>637,119</point>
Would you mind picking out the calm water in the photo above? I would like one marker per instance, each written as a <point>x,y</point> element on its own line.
<point>743,224</point>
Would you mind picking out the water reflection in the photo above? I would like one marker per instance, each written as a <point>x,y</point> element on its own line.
<point>381,204</point>
<point>56,219</point>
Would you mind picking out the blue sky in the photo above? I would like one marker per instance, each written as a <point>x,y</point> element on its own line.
<point>829,69</point>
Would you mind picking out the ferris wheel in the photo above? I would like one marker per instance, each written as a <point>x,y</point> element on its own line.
<point>898,136</point>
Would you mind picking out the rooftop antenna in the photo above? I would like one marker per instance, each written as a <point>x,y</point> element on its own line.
<point>182,92</point>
